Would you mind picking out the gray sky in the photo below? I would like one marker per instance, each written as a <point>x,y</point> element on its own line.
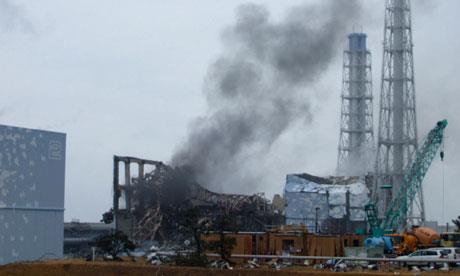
<point>126,77</point>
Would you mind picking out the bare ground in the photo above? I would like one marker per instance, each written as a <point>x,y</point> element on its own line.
<point>51,268</point>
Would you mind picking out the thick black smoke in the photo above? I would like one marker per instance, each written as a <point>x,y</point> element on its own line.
<point>259,87</point>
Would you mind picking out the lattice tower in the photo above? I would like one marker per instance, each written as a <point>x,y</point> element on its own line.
<point>356,125</point>
<point>397,133</point>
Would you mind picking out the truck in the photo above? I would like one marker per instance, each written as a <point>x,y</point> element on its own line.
<point>413,239</point>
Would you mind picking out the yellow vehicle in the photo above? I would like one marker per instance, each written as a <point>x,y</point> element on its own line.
<point>450,239</point>
<point>416,238</point>
<point>398,242</point>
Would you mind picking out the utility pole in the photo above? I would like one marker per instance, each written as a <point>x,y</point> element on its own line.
<point>316,220</point>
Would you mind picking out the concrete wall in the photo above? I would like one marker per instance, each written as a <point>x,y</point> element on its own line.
<point>32,176</point>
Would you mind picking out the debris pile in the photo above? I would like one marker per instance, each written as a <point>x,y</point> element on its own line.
<point>151,205</point>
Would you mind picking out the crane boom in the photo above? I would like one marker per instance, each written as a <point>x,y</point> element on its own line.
<point>396,215</point>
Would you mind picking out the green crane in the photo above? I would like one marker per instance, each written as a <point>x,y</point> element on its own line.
<point>396,215</point>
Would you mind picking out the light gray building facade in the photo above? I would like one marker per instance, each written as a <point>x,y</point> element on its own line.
<point>333,205</point>
<point>32,177</point>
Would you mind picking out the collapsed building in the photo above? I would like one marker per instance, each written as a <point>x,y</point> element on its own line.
<point>148,206</point>
<point>333,205</point>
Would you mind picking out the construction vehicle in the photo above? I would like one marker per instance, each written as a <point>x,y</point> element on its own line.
<point>395,217</point>
<point>413,239</point>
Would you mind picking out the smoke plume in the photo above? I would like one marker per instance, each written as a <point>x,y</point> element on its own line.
<point>259,87</point>
<point>13,17</point>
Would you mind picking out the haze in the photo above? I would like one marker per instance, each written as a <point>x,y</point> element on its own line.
<point>126,78</point>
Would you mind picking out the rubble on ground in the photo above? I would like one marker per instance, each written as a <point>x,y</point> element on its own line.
<point>158,199</point>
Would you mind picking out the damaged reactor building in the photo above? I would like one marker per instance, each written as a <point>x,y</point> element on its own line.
<point>333,205</point>
<point>150,198</point>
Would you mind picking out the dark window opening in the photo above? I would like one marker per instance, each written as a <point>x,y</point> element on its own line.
<point>355,242</point>
<point>288,245</point>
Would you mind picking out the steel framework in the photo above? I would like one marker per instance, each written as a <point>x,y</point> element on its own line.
<point>396,215</point>
<point>397,134</point>
<point>356,125</point>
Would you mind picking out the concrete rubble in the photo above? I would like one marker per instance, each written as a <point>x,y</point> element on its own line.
<point>148,206</point>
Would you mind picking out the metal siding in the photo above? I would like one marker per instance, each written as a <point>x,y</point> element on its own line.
<point>32,175</point>
<point>303,197</point>
<point>300,208</point>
